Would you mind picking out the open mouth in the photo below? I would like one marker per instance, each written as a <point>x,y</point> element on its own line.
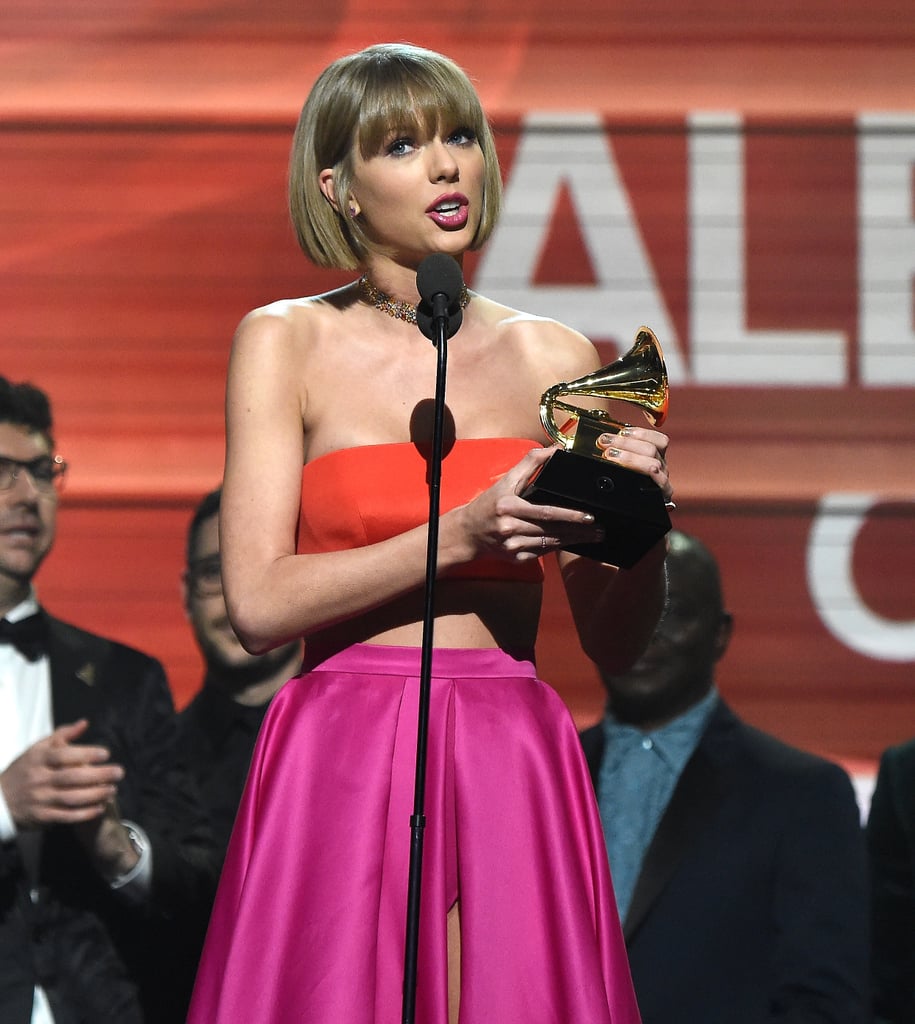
<point>450,211</point>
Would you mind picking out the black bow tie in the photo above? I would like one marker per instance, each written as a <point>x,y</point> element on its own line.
<point>29,636</point>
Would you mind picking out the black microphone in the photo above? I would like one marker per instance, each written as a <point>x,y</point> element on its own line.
<point>440,284</point>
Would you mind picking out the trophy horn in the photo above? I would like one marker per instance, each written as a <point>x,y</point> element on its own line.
<point>639,376</point>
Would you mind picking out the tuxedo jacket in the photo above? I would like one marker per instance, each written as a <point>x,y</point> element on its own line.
<point>891,846</point>
<point>751,904</point>
<point>95,950</point>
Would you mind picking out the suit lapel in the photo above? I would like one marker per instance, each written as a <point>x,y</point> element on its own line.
<point>74,673</point>
<point>592,742</point>
<point>695,799</point>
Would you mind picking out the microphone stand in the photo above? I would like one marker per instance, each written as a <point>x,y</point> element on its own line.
<point>418,818</point>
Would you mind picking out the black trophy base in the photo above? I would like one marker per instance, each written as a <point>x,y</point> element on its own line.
<point>628,505</point>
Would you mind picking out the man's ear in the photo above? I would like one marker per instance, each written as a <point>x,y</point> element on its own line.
<point>725,629</point>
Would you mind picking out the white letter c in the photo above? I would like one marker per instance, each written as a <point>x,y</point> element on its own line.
<point>830,580</point>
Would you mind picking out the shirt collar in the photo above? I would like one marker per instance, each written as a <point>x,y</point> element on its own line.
<point>24,609</point>
<point>674,742</point>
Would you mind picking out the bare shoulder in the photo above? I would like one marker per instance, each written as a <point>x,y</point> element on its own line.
<point>283,356</point>
<point>290,324</point>
<point>562,352</point>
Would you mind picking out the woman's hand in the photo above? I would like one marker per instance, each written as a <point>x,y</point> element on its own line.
<point>641,449</point>
<point>500,523</point>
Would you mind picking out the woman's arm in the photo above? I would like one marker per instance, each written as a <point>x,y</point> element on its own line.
<point>274,594</point>
<point>616,610</point>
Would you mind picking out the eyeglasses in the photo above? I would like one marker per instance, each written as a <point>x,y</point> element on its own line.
<point>204,576</point>
<point>46,472</point>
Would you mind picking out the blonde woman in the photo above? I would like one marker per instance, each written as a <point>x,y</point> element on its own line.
<point>323,535</point>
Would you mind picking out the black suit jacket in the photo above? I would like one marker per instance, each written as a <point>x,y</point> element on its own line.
<point>891,845</point>
<point>751,905</point>
<point>95,949</point>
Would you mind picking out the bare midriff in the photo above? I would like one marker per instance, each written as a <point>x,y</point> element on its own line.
<point>468,614</point>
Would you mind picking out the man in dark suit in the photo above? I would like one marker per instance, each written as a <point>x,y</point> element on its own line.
<point>100,836</point>
<point>891,850</point>
<point>738,861</point>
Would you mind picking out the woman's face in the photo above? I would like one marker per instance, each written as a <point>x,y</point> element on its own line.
<point>421,193</point>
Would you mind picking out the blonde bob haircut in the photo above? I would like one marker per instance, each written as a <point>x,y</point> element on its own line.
<point>357,101</point>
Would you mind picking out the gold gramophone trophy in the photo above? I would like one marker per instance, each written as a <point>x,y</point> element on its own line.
<point>629,505</point>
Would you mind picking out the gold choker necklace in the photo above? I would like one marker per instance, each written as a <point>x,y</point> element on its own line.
<point>396,307</point>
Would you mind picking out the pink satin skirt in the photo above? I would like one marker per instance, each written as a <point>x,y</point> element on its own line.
<point>310,918</point>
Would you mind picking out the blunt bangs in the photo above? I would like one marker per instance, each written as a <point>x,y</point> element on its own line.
<point>416,96</point>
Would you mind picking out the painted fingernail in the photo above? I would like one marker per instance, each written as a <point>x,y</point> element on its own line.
<point>612,453</point>
<point>586,517</point>
<point>605,439</point>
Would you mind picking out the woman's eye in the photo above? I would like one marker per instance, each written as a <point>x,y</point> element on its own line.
<point>462,137</point>
<point>400,146</point>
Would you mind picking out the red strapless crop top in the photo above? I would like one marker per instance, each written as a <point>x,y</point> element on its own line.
<point>357,496</point>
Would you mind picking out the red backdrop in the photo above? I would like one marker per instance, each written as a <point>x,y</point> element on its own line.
<point>770,244</point>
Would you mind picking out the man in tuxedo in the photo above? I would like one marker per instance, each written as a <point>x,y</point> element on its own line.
<point>738,862</point>
<point>891,851</point>
<point>101,838</point>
